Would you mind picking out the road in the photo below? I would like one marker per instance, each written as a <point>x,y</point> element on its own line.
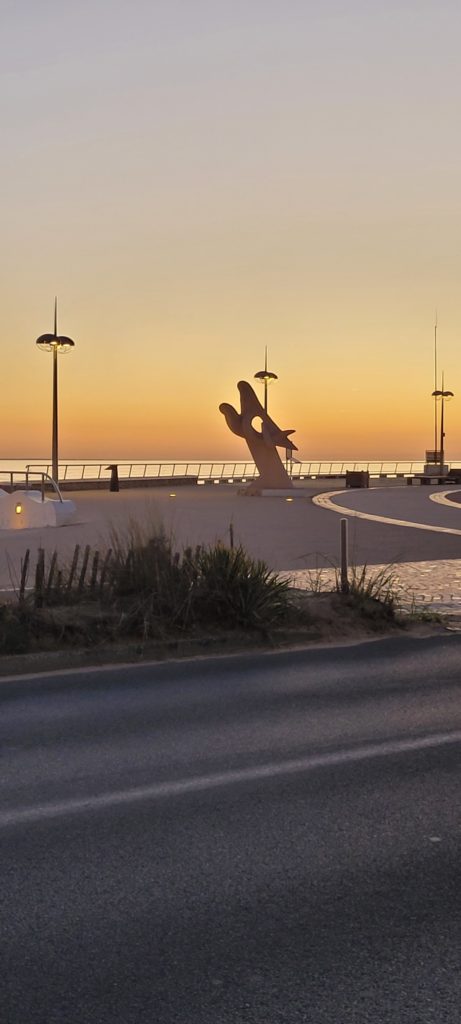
<point>262,838</point>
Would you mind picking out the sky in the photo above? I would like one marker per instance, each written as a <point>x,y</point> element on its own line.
<point>197,179</point>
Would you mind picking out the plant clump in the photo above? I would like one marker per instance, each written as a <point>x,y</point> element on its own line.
<point>159,588</point>
<point>141,588</point>
<point>232,589</point>
<point>374,594</point>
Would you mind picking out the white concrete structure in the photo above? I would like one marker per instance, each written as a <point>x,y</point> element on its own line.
<point>25,510</point>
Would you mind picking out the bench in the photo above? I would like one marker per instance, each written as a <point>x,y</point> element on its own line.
<point>452,477</point>
<point>425,478</point>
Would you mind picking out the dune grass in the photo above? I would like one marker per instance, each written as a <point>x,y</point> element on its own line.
<point>141,586</point>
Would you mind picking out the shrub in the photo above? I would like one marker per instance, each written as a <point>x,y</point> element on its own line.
<point>374,593</point>
<point>158,587</point>
<point>232,589</point>
<point>149,581</point>
<point>15,629</point>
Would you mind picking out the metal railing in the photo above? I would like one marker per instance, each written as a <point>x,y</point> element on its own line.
<point>223,471</point>
<point>16,479</point>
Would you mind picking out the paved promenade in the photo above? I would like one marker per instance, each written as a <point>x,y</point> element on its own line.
<point>419,535</point>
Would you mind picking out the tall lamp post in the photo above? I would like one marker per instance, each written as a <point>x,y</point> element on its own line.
<point>442,396</point>
<point>266,377</point>
<point>58,344</point>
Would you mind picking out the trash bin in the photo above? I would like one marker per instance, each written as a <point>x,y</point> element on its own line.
<point>357,478</point>
<point>114,485</point>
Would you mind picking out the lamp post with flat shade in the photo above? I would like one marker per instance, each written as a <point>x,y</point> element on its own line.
<point>442,396</point>
<point>266,377</point>
<point>58,344</point>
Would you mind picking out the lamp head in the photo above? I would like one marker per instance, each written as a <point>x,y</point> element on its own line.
<point>55,341</point>
<point>265,375</point>
<point>48,342</point>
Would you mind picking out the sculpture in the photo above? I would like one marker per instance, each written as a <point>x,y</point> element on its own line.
<point>262,443</point>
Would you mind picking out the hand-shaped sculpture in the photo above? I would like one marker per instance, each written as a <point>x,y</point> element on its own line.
<point>262,443</point>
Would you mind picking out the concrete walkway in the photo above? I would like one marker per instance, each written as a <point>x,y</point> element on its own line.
<point>291,536</point>
<point>434,586</point>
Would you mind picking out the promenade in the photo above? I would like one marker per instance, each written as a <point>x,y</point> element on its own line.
<point>407,528</point>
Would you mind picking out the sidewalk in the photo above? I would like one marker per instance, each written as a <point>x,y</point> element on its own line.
<point>295,537</point>
<point>435,586</point>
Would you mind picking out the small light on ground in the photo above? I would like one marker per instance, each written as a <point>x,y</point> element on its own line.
<point>172,494</point>
<point>288,499</point>
<point>200,482</point>
<point>18,509</point>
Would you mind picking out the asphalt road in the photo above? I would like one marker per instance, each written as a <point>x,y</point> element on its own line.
<point>267,838</point>
<point>407,504</point>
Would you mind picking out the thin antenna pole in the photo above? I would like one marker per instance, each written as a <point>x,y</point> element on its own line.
<point>54,440</point>
<point>442,424</point>
<point>265,379</point>
<point>435,382</point>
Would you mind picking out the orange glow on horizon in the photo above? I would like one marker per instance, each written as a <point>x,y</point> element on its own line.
<point>201,187</point>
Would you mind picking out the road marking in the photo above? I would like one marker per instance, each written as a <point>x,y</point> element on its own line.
<point>219,780</point>
<point>324,501</point>
<point>441,499</point>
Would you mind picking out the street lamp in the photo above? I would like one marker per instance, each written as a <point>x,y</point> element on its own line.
<point>57,344</point>
<point>442,396</point>
<point>266,377</point>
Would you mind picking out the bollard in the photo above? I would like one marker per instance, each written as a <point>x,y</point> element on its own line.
<point>114,485</point>
<point>344,558</point>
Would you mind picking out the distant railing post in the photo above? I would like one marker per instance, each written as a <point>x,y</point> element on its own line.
<point>344,558</point>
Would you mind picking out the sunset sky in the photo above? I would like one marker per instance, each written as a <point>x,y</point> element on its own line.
<point>196,179</point>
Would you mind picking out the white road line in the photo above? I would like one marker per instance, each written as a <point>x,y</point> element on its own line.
<point>441,499</point>
<point>324,501</point>
<point>219,780</point>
